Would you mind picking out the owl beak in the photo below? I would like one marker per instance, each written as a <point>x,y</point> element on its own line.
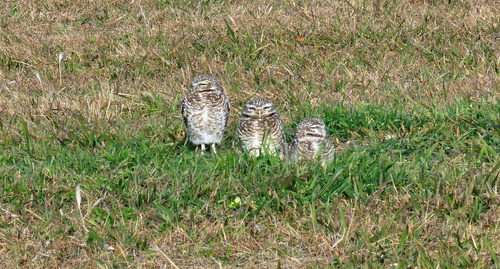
<point>259,113</point>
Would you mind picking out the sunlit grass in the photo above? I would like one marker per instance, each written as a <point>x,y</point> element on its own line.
<point>136,183</point>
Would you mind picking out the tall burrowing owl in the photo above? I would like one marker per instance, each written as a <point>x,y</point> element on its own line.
<point>261,130</point>
<point>205,110</point>
<point>311,142</point>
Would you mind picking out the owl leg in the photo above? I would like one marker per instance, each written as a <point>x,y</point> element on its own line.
<point>202,148</point>
<point>213,149</point>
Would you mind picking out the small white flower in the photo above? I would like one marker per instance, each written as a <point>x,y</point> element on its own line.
<point>108,247</point>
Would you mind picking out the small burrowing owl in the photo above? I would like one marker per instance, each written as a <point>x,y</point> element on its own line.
<point>311,142</point>
<point>205,110</point>
<point>261,130</point>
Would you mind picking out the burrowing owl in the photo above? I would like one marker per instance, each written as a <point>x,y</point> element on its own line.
<point>261,130</point>
<point>205,110</point>
<point>311,142</point>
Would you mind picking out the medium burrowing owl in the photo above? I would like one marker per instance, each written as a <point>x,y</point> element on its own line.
<point>261,130</point>
<point>311,142</point>
<point>205,110</point>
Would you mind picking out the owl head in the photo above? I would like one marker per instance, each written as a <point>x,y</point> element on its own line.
<point>311,127</point>
<point>205,83</point>
<point>259,108</point>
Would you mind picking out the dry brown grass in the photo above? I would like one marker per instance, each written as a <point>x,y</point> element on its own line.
<point>418,52</point>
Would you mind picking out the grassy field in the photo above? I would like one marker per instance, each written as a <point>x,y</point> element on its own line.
<point>90,108</point>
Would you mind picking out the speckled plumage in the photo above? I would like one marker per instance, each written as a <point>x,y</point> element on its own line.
<point>205,110</point>
<point>260,129</point>
<point>311,142</point>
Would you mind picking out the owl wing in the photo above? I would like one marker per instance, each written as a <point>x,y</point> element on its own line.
<point>228,106</point>
<point>226,115</point>
<point>293,148</point>
<point>328,151</point>
<point>183,109</point>
<point>280,138</point>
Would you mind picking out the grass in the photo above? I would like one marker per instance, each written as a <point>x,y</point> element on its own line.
<point>408,90</point>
